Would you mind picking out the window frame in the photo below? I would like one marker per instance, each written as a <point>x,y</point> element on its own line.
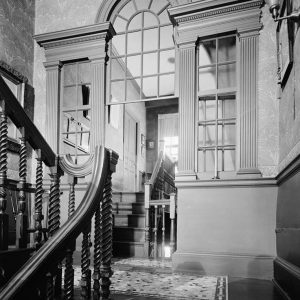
<point>216,174</point>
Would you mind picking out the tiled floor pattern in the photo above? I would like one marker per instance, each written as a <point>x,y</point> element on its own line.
<point>155,279</point>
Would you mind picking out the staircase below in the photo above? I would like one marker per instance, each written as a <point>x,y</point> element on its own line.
<point>129,224</point>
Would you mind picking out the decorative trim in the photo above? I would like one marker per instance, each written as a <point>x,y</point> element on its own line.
<point>177,11</point>
<point>12,72</point>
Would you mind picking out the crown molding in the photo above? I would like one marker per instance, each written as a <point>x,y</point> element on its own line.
<point>209,8</point>
<point>103,31</point>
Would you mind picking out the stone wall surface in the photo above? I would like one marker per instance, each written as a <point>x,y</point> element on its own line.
<point>16,30</point>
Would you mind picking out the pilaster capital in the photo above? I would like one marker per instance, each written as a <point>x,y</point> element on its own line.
<point>248,32</point>
<point>53,65</point>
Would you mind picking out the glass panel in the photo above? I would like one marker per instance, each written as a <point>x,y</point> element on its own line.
<point>150,64</point>
<point>166,37</point>
<point>128,10</point>
<point>118,43</point>
<point>68,143</point>
<point>200,161</point>
<point>209,160</point>
<point>120,25</point>
<point>220,160</point>
<point>229,135</point>
<point>166,85</point>
<point>69,123</point>
<point>229,108</point>
<point>117,91</point>
<point>83,139</point>
<point>150,20</point>
<point>210,109</point>
<point>117,68</point>
<point>227,49</point>
<point>136,22</point>
<point>84,73</point>
<point>150,87</point>
<point>133,89</point>
<point>201,110</point>
<point>207,53</point>
<point>220,134</point>
<point>134,40</point>
<point>84,94</point>
<point>157,5</point>
<point>134,66</point>
<point>164,17</point>
<point>201,136</point>
<point>70,72</point>
<point>229,160</point>
<point>207,79</point>
<point>210,133</point>
<point>70,97</point>
<point>167,61</point>
<point>142,4</point>
<point>226,76</point>
<point>151,39</point>
<point>220,109</point>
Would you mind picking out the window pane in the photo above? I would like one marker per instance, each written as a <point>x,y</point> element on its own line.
<point>150,64</point>
<point>133,89</point>
<point>119,25</point>
<point>167,61</point>
<point>150,87</point>
<point>136,22</point>
<point>227,49</point>
<point>209,160</point>
<point>207,53</point>
<point>201,110</point>
<point>69,123</point>
<point>226,76</point>
<point>229,160</point>
<point>164,17</point>
<point>229,108</point>
<point>229,135</point>
<point>117,68</point>
<point>70,97</point>
<point>134,40</point>
<point>220,134</point>
<point>84,73</point>
<point>128,10</point>
<point>142,4</point>
<point>69,143</point>
<point>207,79</point>
<point>201,136</point>
<point>134,66</point>
<point>118,43</point>
<point>84,94</point>
<point>210,109</point>
<point>210,138</point>
<point>84,140</point>
<point>166,38</point>
<point>157,5</point>
<point>220,160</point>
<point>150,20</point>
<point>201,161</point>
<point>70,73</point>
<point>117,91</point>
<point>166,85</point>
<point>151,39</point>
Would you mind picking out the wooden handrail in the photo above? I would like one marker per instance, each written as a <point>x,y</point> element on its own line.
<point>16,113</point>
<point>53,250</point>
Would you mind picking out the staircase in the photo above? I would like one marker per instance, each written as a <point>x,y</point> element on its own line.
<point>129,224</point>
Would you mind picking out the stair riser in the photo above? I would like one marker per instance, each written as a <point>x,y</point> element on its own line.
<point>128,250</point>
<point>130,221</point>
<point>128,234</point>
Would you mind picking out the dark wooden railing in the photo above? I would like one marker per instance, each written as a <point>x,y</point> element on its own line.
<point>160,200</point>
<point>51,244</point>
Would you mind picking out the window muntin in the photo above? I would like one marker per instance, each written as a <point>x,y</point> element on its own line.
<point>143,53</point>
<point>217,105</point>
<point>75,111</point>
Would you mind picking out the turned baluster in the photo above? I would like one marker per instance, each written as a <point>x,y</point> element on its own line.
<point>106,226</point>
<point>21,218</point>
<point>85,263</point>
<point>155,230</point>
<point>163,229</point>
<point>147,219</point>
<point>69,270</point>
<point>3,176</point>
<point>38,216</point>
<point>172,217</point>
<point>97,255</point>
<point>54,216</point>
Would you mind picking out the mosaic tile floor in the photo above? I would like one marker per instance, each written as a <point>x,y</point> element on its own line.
<point>152,278</point>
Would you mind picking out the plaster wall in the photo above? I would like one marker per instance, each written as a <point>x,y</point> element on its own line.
<point>16,30</point>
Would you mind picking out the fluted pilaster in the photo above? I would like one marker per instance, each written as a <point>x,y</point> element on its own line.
<point>52,103</point>
<point>187,94</point>
<point>248,54</point>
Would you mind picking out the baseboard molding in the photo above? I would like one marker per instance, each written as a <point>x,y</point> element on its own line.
<point>234,265</point>
<point>287,278</point>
